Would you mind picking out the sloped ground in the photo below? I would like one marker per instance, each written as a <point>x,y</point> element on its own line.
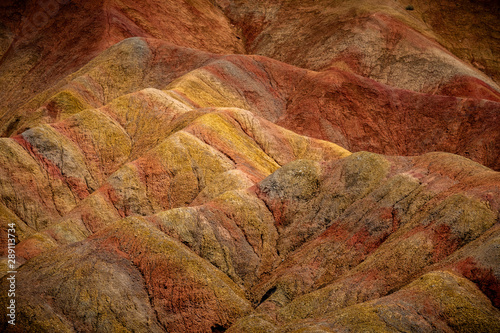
<point>162,178</point>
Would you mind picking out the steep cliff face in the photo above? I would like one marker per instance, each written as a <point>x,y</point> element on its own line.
<point>272,166</point>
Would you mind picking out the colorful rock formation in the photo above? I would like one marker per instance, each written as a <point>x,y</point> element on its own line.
<point>244,166</point>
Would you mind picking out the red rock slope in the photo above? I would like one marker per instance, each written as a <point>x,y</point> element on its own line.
<point>274,166</point>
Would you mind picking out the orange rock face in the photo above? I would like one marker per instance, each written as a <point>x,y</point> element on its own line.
<point>250,166</point>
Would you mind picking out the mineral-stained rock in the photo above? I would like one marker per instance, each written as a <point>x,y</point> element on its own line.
<point>128,267</point>
<point>381,40</point>
<point>250,166</point>
<point>354,112</point>
<point>314,243</point>
<point>438,301</point>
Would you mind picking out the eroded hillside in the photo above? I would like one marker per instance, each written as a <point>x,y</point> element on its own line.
<point>272,166</point>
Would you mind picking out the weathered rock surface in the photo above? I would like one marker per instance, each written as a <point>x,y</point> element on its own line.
<point>416,49</point>
<point>238,166</point>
